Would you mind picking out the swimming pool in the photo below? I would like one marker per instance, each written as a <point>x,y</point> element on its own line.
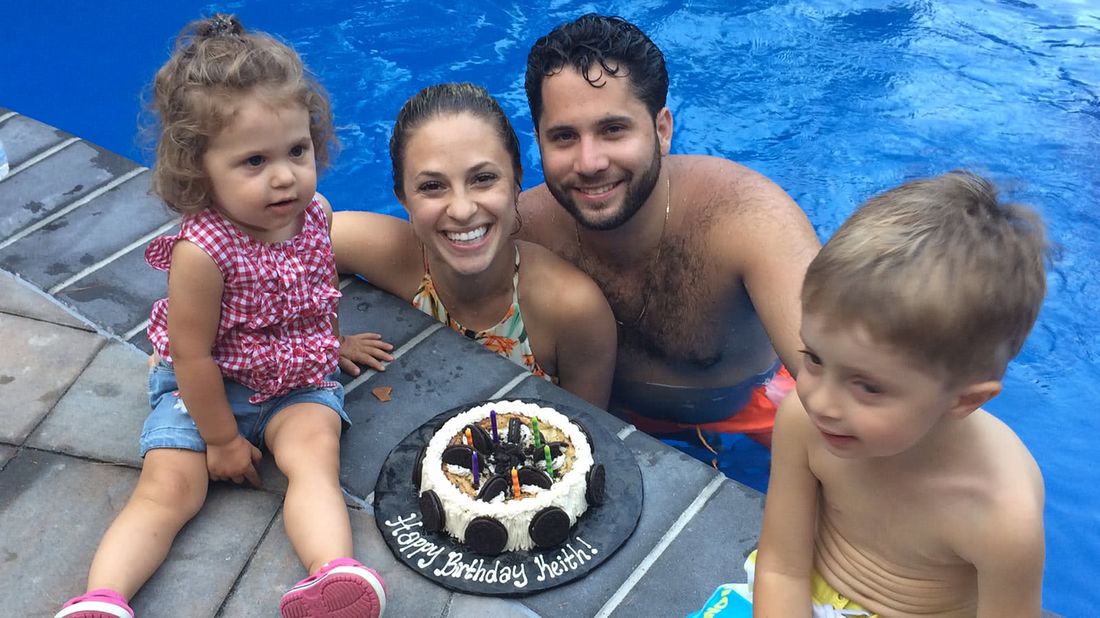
<point>833,104</point>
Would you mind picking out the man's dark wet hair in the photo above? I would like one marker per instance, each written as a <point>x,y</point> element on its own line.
<point>611,46</point>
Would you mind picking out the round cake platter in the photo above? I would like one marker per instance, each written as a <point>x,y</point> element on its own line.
<point>435,555</point>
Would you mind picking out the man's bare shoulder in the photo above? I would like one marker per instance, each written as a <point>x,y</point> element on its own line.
<point>737,190</point>
<point>734,213</point>
<point>556,285</point>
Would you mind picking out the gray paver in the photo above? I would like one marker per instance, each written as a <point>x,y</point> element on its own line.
<point>120,295</point>
<point>55,182</point>
<point>140,340</point>
<point>210,552</point>
<point>19,297</point>
<point>101,415</point>
<point>275,568</point>
<point>715,559</point>
<point>25,137</point>
<point>441,372</point>
<point>63,248</point>
<point>59,508</point>
<point>55,509</point>
<point>40,361</point>
<point>6,453</point>
<point>469,605</point>
<point>671,481</point>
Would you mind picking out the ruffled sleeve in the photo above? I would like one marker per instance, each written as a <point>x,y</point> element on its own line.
<point>159,252</point>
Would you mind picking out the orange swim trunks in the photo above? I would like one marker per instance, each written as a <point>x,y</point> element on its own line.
<point>755,419</point>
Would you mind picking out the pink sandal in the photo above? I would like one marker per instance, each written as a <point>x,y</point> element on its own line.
<point>101,603</point>
<point>343,588</point>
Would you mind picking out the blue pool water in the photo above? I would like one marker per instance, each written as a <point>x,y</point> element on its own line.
<point>832,103</point>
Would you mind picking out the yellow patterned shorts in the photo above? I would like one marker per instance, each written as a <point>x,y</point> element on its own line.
<point>827,602</point>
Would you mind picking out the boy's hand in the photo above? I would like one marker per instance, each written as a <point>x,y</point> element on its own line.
<point>233,461</point>
<point>366,349</point>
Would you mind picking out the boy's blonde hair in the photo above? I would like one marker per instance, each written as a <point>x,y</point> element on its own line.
<point>939,269</point>
<point>195,94</point>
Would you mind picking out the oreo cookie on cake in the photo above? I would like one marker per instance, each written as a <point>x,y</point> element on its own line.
<point>508,475</point>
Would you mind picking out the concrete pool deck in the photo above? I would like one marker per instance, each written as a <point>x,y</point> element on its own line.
<point>74,299</point>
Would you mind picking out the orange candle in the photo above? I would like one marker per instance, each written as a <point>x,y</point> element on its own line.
<point>469,437</point>
<point>515,483</point>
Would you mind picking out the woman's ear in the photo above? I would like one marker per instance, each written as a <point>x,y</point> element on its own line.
<point>974,396</point>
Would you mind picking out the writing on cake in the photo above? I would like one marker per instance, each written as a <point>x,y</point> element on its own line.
<point>441,562</point>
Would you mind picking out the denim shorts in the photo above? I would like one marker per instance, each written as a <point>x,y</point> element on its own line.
<point>170,426</point>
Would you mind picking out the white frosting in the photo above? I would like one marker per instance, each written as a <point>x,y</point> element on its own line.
<point>459,509</point>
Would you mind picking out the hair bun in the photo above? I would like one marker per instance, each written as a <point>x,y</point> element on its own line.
<point>221,24</point>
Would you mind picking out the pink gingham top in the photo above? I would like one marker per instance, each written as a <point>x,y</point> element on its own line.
<point>275,333</point>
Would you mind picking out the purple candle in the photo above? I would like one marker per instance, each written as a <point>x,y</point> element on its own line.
<point>493,422</point>
<point>476,469</point>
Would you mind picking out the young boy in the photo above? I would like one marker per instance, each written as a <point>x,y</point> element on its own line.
<point>891,491</point>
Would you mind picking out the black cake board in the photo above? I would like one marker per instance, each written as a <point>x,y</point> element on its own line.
<point>435,555</point>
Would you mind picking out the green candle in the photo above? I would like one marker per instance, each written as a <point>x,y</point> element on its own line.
<point>535,431</point>
<point>549,461</point>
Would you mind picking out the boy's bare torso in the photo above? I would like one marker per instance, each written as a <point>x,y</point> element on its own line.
<point>890,533</point>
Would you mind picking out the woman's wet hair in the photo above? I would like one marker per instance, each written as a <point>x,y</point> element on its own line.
<point>597,46</point>
<point>196,93</point>
<point>449,99</point>
<point>939,268</point>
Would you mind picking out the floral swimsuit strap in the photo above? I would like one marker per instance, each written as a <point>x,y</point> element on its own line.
<point>507,338</point>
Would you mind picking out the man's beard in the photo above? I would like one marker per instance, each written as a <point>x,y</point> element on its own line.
<point>637,192</point>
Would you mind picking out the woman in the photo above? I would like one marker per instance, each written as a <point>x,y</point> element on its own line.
<point>457,172</point>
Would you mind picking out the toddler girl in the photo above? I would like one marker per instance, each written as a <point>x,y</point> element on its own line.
<point>247,337</point>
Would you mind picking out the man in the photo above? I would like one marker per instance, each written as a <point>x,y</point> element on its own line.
<point>700,258</point>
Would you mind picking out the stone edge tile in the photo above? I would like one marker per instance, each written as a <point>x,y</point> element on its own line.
<point>708,561</point>
<point>20,297</point>
<point>671,481</point>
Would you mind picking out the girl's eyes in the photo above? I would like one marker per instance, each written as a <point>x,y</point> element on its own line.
<point>811,358</point>
<point>297,151</point>
<point>254,161</point>
<point>484,178</point>
<point>867,388</point>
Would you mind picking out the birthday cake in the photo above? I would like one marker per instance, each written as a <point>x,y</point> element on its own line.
<point>507,476</point>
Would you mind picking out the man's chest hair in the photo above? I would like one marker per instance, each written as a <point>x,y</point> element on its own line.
<point>684,316</point>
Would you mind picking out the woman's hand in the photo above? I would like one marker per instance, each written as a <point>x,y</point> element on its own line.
<point>365,349</point>
<point>233,461</point>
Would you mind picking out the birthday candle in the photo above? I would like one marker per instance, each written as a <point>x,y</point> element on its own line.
<point>493,420</point>
<point>476,469</point>
<point>513,430</point>
<point>549,461</point>
<point>535,430</point>
<point>469,437</point>
<point>515,483</point>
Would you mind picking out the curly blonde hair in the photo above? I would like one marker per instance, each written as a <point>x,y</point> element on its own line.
<point>194,96</point>
<point>939,268</point>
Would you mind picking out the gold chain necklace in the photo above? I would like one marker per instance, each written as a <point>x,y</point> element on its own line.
<point>656,255</point>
